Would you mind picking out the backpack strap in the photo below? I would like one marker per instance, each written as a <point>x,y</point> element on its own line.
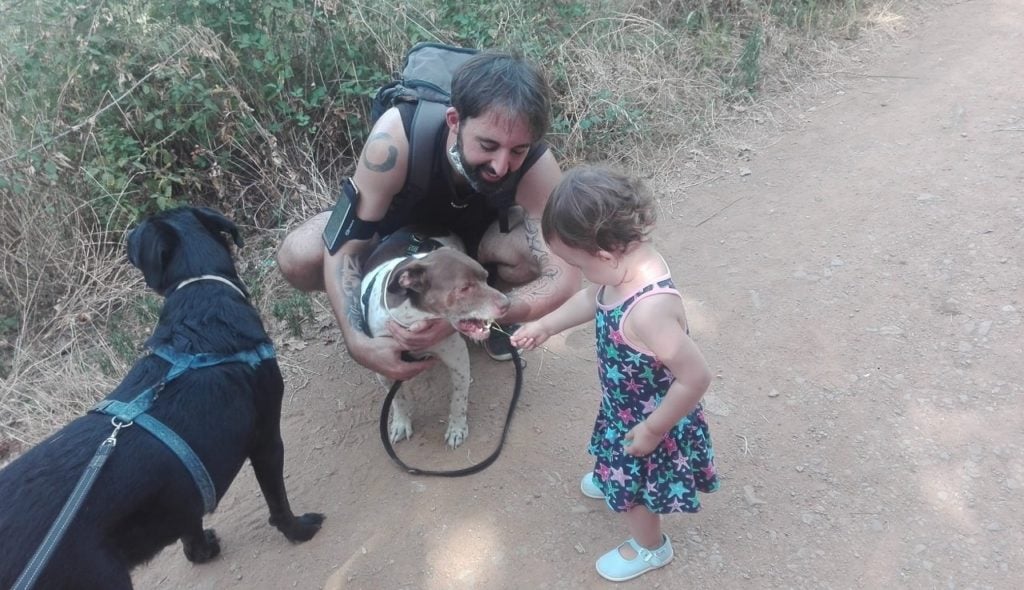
<point>427,123</point>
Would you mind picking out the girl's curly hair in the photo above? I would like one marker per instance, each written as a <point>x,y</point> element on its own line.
<point>596,208</point>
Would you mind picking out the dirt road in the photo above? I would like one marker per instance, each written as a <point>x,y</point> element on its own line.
<point>859,295</point>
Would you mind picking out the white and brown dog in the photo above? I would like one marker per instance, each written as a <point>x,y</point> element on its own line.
<point>404,283</point>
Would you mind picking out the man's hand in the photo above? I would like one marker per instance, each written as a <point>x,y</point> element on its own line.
<point>384,356</point>
<point>421,335</point>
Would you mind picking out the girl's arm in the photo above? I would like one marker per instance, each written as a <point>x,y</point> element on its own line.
<point>576,310</point>
<point>659,325</point>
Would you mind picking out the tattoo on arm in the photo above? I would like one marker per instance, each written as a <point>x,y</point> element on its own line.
<point>389,160</point>
<point>548,272</point>
<point>350,277</point>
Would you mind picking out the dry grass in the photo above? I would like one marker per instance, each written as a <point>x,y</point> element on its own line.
<point>65,278</point>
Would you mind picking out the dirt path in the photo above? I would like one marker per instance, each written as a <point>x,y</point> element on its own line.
<point>859,295</point>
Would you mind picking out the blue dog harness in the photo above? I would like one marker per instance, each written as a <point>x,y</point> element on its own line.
<point>125,414</point>
<point>136,410</point>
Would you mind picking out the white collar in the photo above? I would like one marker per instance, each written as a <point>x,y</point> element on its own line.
<point>210,278</point>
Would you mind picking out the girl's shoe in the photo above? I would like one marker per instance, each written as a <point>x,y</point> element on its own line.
<point>613,566</point>
<point>589,488</point>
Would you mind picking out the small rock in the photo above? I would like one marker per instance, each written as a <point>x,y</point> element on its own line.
<point>750,497</point>
<point>950,307</point>
<point>773,393</point>
<point>745,172</point>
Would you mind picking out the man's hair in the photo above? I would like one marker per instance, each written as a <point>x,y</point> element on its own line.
<point>506,81</point>
<point>595,208</point>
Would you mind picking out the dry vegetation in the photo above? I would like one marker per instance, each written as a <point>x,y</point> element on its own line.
<point>111,114</point>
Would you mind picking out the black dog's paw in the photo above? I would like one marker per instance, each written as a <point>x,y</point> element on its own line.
<point>300,528</point>
<point>202,549</point>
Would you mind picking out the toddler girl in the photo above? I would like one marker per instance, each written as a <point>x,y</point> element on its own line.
<point>651,442</point>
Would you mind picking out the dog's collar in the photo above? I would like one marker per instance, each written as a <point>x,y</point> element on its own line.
<point>211,278</point>
<point>384,290</point>
<point>384,298</point>
<point>382,273</point>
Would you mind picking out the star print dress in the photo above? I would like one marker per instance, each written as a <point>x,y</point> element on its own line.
<point>633,383</point>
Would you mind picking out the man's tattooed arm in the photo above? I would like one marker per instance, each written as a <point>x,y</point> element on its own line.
<point>546,290</point>
<point>380,154</point>
<point>350,277</point>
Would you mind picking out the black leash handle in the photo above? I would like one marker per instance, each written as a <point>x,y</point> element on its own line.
<point>386,410</point>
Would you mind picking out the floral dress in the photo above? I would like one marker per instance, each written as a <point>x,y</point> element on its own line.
<point>633,383</point>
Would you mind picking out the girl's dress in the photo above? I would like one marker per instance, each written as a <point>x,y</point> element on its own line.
<point>634,383</point>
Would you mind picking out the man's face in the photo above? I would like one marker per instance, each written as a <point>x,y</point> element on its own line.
<point>492,148</point>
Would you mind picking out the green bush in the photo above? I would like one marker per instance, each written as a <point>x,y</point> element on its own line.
<point>148,105</point>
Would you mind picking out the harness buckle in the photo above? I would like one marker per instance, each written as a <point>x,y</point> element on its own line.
<point>118,425</point>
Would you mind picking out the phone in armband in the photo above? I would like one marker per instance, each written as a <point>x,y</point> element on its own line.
<point>344,224</point>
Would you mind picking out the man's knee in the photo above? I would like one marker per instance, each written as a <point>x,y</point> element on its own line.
<point>511,257</point>
<point>300,258</point>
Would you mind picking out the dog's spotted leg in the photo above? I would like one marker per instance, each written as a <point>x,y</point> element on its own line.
<point>200,545</point>
<point>454,354</point>
<point>399,423</point>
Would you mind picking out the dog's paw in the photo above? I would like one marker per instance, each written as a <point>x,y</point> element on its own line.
<point>457,432</point>
<point>300,528</point>
<point>399,428</point>
<point>202,549</point>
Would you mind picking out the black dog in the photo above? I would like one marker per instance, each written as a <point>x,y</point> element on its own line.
<point>145,498</point>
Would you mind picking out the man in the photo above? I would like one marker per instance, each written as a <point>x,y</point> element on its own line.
<point>488,145</point>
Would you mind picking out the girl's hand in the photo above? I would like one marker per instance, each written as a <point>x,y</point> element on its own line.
<point>641,440</point>
<point>529,336</point>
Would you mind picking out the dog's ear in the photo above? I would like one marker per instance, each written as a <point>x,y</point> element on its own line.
<point>215,223</point>
<point>150,248</point>
<point>412,277</point>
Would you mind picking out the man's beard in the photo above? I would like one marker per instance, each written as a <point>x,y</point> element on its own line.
<point>474,174</point>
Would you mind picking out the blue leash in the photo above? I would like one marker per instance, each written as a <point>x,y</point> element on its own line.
<point>124,414</point>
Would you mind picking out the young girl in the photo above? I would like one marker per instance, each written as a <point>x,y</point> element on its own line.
<point>651,443</point>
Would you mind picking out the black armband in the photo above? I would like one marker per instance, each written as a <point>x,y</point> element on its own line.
<point>344,224</point>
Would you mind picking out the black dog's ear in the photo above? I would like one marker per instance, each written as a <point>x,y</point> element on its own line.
<point>215,222</point>
<point>150,247</point>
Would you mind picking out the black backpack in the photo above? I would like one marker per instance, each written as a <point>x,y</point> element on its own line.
<point>426,79</point>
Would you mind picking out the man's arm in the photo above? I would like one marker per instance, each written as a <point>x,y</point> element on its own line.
<point>555,280</point>
<point>380,174</point>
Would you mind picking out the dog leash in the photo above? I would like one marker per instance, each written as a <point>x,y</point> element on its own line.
<point>35,566</point>
<point>386,410</point>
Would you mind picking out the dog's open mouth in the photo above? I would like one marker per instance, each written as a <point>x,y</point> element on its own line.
<point>474,328</point>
